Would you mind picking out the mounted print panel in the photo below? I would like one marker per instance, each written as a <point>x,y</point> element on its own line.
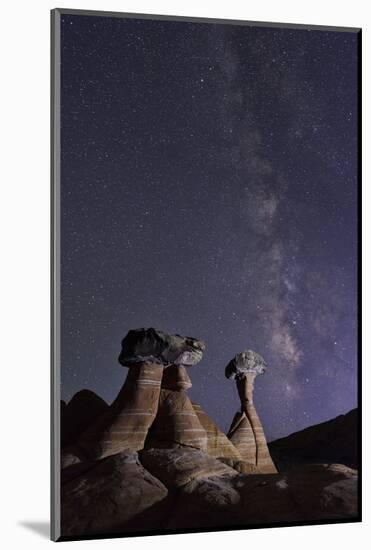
<point>205,261</point>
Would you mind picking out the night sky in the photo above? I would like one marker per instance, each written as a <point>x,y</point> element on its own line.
<point>208,188</point>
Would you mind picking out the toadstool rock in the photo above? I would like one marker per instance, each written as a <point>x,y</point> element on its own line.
<point>125,425</point>
<point>246,431</point>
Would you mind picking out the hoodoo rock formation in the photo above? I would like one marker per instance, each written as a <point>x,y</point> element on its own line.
<point>176,422</point>
<point>246,431</point>
<point>153,460</point>
<point>125,425</point>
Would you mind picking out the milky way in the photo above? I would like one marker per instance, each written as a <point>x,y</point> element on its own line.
<point>209,188</point>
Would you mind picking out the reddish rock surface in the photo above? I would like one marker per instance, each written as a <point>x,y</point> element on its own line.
<point>218,444</point>
<point>176,422</point>
<point>246,432</point>
<point>125,424</point>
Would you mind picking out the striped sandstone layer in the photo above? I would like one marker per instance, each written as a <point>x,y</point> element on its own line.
<point>176,422</point>
<point>246,431</point>
<point>247,435</point>
<point>218,444</point>
<point>125,425</point>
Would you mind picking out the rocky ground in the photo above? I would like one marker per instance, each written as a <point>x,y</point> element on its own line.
<point>154,461</point>
<point>180,488</point>
<point>184,488</point>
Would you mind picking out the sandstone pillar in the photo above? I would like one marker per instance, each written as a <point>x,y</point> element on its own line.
<point>246,431</point>
<point>125,425</point>
<point>177,422</point>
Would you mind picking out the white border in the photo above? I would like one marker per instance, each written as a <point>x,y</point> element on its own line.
<point>25,268</point>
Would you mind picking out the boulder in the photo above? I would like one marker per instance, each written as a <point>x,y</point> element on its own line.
<point>184,488</point>
<point>243,363</point>
<point>205,503</point>
<point>155,346</point>
<point>111,497</point>
<point>178,466</point>
<point>311,493</point>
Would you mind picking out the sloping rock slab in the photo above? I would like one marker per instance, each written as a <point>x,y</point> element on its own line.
<point>205,503</point>
<point>218,444</point>
<point>109,497</point>
<point>328,442</point>
<point>312,493</point>
<point>178,466</point>
<point>241,466</point>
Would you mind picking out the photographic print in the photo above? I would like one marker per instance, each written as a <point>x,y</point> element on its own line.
<point>205,200</point>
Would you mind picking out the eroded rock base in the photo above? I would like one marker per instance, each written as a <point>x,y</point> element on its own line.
<point>180,488</point>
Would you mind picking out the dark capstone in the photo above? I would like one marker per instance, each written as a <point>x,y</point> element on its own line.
<point>154,346</point>
<point>245,362</point>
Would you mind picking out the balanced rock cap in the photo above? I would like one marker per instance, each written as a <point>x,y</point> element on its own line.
<point>245,362</point>
<point>148,345</point>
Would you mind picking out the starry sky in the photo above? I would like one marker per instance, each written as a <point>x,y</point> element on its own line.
<point>209,188</point>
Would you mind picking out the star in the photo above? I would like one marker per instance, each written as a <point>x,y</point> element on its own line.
<point>228,215</point>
